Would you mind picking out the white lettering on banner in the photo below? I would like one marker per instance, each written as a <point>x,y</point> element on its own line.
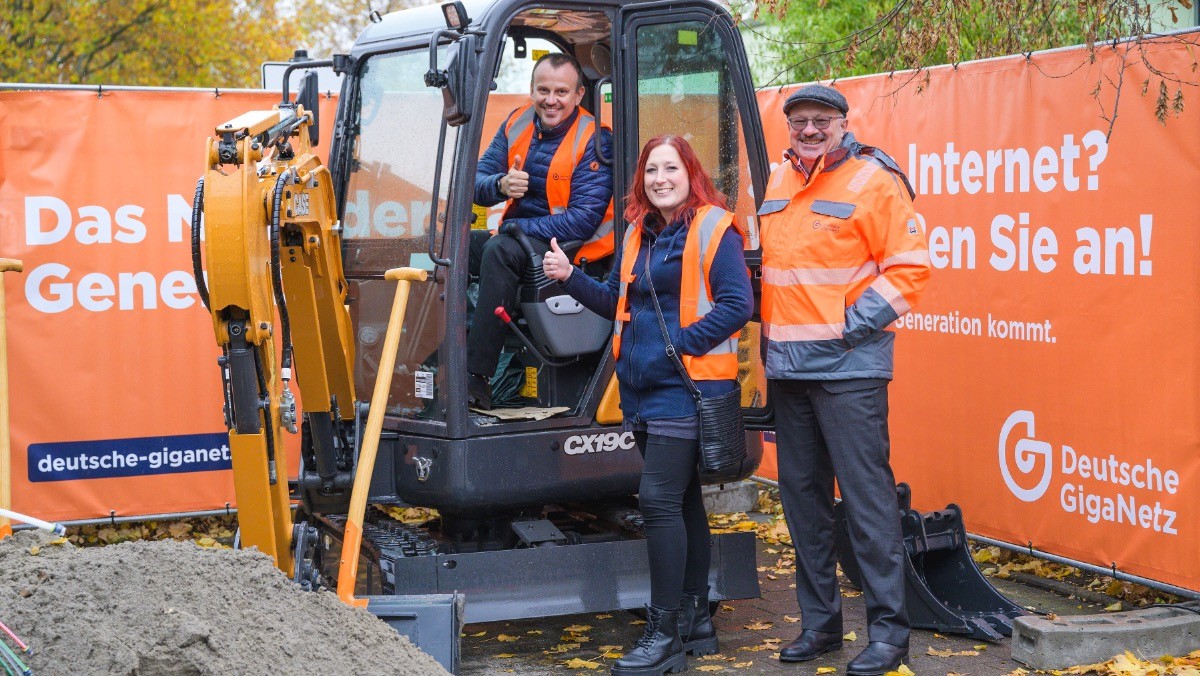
<point>1019,246</point>
<point>96,225</point>
<point>1077,497</point>
<point>48,290</point>
<point>386,219</point>
<point>1007,169</point>
<point>596,443</point>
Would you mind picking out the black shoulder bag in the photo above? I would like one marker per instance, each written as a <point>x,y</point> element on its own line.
<point>722,433</point>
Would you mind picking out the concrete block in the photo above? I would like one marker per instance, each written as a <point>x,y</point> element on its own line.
<point>740,496</point>
<point>1044,643</point>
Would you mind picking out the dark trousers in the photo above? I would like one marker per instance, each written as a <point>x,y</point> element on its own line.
<point>839,428</point>
<point>499,260</point>
<point>677,534</point>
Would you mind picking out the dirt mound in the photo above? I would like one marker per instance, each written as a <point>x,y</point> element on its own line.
<point>171,607</point>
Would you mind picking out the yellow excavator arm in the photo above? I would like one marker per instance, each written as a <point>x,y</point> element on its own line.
<point>276,292</point>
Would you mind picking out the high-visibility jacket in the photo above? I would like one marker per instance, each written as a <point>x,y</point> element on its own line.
<point>704,235</point>
<point>843,258</point>
<point>519,133</point>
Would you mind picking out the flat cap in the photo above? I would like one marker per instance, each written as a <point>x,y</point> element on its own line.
<point>826,96</point>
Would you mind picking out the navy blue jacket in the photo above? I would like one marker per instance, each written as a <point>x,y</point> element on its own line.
<point>650,385</point>
<point>591,189</point>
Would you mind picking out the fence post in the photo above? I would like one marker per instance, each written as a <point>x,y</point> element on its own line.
<point>6,265</point>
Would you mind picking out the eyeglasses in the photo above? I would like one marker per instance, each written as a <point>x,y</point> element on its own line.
<point>821,123</point>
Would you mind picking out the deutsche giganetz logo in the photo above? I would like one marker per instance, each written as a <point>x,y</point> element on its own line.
<point>1025,456</point>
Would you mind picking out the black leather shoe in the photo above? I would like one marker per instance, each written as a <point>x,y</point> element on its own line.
<point>810,645</point>
<point>479,392</point>
<point>877,659</point>
<point>695,625</point>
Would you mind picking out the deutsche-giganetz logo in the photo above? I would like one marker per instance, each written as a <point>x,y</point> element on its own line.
<point>1025,456</point>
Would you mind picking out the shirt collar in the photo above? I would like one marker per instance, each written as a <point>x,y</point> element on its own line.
<point>827,162</point>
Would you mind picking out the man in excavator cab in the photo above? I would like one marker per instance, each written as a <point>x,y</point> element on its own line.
<point>542,161</point>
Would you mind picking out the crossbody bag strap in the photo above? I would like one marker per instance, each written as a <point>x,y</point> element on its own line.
<point>662,324</point>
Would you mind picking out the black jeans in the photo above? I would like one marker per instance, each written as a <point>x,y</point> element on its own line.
<point>499,260</point>
<point>677,535</point>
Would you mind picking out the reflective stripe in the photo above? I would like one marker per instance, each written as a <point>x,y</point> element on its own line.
<point>520,124</point>
<point>915,257</point>
<point>799,276</point>
<point>793,332</point>
<point>772,206</point>
<point>891,294</point>
<point>706,228</point>
<point>860,179</point>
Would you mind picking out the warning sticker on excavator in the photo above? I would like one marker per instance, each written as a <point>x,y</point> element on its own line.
<point>481,217</point>
<point>423,387</point>
<point>530,387</point>
<point>536,54</point>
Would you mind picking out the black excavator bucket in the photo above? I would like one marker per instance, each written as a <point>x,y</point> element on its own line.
<point>944,590</point>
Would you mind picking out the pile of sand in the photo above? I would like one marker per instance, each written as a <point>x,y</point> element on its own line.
<point>171,607</point>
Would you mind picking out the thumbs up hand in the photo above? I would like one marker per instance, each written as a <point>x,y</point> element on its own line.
<point>515,183</point>
<point>555,263</point>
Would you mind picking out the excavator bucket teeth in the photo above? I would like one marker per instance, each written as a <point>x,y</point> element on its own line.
<point>944,591</point>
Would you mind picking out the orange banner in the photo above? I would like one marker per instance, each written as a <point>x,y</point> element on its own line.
<point>1045,382</point>
<point>114,388</point>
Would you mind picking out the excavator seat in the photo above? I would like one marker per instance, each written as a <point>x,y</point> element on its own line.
<point>558,324</point>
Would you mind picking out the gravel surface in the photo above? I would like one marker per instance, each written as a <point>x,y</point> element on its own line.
<point>171,607</point>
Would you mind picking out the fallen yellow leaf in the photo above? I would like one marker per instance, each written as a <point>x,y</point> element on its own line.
<point>850,637</point>
<point>505,656</point>
<point>637,622</point>
<point>826,670</point>
<point>577,663</point>
<point>605,616</point>
<point>607,648</point>
<point>727,609</point>
<point>58,541</point>
<point>902,671</point>
<point>482,633</point>
<point>711,667</point>
<point>507,639</point>
<point>576,628</point>
<point>34,550</point>
<point>789,618</point>
<point>980,646</point>
<point>534,632</point>
<point>612,654</point>
<point>759,626</point>
<point>951,653</point>
<point>743,665</point>
<point>1114,607</point>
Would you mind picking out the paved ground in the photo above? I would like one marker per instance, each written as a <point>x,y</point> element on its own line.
<point>750,632</point>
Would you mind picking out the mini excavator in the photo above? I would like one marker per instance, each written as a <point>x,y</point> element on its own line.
<point>298,262</point>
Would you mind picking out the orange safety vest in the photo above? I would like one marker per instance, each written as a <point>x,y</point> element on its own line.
<point>518,131</point>
<point>705,231</point>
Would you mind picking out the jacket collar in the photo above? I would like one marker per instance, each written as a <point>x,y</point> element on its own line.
<point>830,160</point>
<point>557,131</point>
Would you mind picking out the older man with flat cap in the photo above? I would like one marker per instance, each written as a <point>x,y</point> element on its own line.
<point>843,258</point>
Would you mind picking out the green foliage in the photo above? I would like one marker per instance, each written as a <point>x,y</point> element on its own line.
<point>804,40</point>
<point>205,43</point>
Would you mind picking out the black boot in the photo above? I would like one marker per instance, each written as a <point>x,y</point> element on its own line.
<point>479,392</point>
<point>658,651</point>
<point>696,630</point>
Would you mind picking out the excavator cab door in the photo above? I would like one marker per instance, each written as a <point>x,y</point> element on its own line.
<point>683,71</point>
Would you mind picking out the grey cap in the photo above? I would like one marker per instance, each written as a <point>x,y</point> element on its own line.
<point>826,96</point>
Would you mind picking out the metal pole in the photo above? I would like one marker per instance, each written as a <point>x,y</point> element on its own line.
<point>6,265</point>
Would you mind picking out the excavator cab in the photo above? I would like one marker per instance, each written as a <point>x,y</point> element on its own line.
<point>536,507</point>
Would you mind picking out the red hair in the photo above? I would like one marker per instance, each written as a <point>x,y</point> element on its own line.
<point>637,205</point>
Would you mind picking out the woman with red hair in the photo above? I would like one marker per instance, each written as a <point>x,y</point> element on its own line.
<point>683,246</point>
